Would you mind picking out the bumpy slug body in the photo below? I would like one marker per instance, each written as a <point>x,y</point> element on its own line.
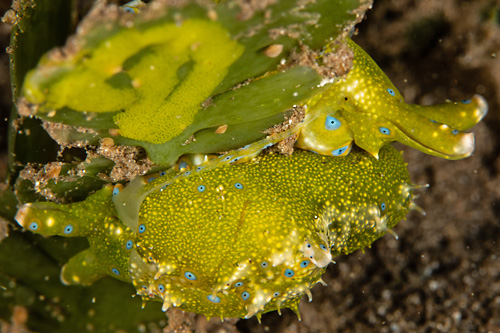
<point>235,240</point>
<point>365,107</point>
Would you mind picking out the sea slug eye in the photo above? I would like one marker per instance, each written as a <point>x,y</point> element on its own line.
<point>116,190</point>
<point>382,205</point>
<point>238,284</point>
<point>161,288</point>
<point>129,244</point>
<point>162,173</point>
<point>227,158</point>
<point>332,123</point>
<point>323,247</point>
<point>264,264</point>
<point>245,295</point>
<point>142,228</point>
<point>276,294</point>
<point>68,229</point>
<point>340,151</point>
<point>289,273</point>
<point>308,245</point>
<point>115,271</point>
<point>190,276</point>
<point>304,263</point>
<point>391,92</point>
<point>239,186</point>
<point>384,130</point>
<point>213,299</point>
<point>33,226</point>
<point>201,188</point>
<point>466,101</point>
<point>199,168</point>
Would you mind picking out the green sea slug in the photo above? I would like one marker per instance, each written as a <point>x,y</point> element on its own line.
<point>142,81</point>
<point>364,107</point>
<point>235,240</point>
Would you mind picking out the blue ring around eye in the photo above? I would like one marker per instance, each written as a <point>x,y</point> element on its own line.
<point>264,264</point>
<point>116,190</point>
<point>227,158</point>
<point>239,186</point>
<point>304,263</point>
<point>382,205</point>
<point>161,288</point>
<point>454,132</point>
<point>33,226</point>
<point>213,299</point>
<point>289,273</point>
<point>276,294</point>
<point>68,229</point>
<point>142,228</point>
<point>199,168</point>
<point>201,188</point>
<point>340,151</point>
<point>129,244</point>
<point>245,295</point>
<point>384,130</point>
<point>466,101</point>
<point>162,173</point>
<point>115,271</point>
<point>238,284</point>
<point>323,247</point>
<point>332,123</point>
<point>190,276</point>
<point>391,92</point>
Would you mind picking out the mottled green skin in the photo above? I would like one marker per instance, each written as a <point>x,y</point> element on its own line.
<point>271,224</point>
<point>369,111</point>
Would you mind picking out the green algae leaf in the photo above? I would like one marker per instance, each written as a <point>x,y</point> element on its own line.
<point>34,283</point>
<point>147,79</point>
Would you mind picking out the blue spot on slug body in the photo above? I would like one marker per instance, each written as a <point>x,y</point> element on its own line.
<point>384,130</point>
<point>115,271</point>
<point>245,295</point>
<point>214,299</point>
<point>332,123</point>
<point>289,273</point>
<point>201,188</point>
<point>68,229</point>
<point>304,263</point>
<point>129,245</point>
<point>190,276</point>
<point>33,226</point>
<point>239,186</point>
<point>391,92</point>
<point>340,151</point>
<point>142,228</point>
<point>238,284</point>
